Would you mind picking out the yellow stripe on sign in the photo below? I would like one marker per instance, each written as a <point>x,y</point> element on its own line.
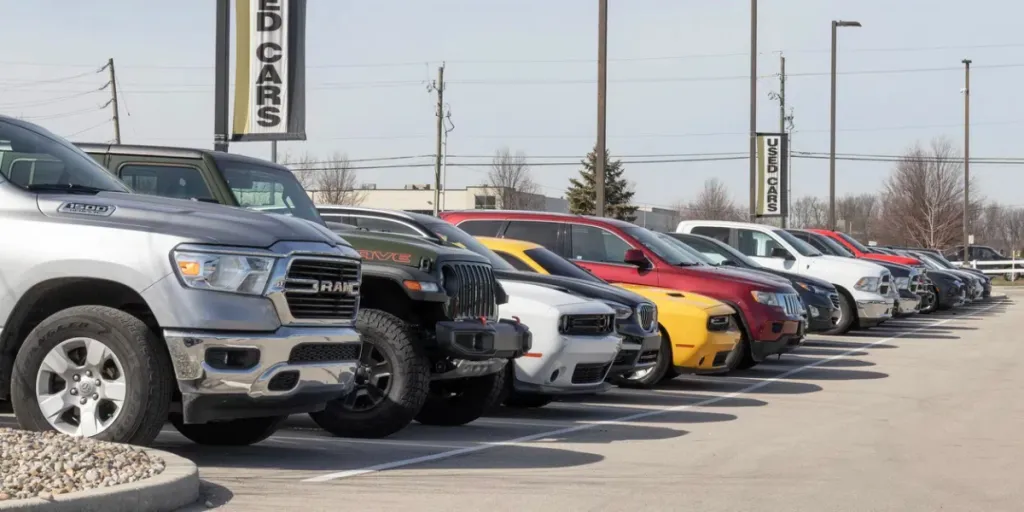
<point>760,175</point>
<point>243,74</point>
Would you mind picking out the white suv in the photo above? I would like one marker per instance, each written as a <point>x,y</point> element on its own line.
<point>864,286</point>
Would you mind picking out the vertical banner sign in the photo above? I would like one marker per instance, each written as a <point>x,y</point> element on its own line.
<point>772,174</point>
<point>270,70</point>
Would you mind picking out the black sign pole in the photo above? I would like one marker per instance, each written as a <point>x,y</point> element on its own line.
<point>222,61</point>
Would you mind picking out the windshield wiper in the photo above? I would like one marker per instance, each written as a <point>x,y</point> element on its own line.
<point>72,188</point>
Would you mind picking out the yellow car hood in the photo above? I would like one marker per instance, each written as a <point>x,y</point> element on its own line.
<point>667,297</point>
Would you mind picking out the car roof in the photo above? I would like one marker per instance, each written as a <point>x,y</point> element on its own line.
<point>172,152</point>
<point>383,212</point>
<point>724,224</point>
<point>523,214</point>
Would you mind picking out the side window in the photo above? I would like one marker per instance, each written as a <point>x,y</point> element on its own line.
<point>591,243</point>
<point>481,227</point>
<point>515,262</point>
<point>755,243</point>
<point>166,181</point>
<point>543,233</point>
<point>485,202</point>
<point>720,234</point>
<point>383,225</point>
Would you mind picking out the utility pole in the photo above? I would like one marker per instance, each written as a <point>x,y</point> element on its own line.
<point>221,83</point>
<point>967,158</point>
<point>602,104</point>
<point>439,88</point>
<point>753,110</point>
<point>782,119</point>
<point>113,100</point>
<point>444,159</point>
<point>273,151</point>
<point>836,24</point>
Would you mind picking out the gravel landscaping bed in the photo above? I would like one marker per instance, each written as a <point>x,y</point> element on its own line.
<point>44,464</point>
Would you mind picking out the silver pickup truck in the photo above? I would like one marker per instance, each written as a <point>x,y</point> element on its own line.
<point>119,311</point>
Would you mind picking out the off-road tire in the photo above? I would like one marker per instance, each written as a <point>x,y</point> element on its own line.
<point>849,316</point>
<point>477,396</point>
<point>147,369</point>
<point>661,371</point>
<point>239,432</point>
<point>408,389</point>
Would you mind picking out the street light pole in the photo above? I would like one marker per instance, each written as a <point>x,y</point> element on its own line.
<point>753,110</point>
<point>602,104</point>
<point>832,128</point>
<point>967,157</point>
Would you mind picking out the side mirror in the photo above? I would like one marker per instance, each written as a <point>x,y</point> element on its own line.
<point>779,252</point>
<point>636,257</point>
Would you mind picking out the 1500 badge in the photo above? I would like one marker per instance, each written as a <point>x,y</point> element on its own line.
<point>99,210</point>
<point>396,257</point>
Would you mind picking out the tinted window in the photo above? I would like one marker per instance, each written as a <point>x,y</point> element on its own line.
<point>541,233</point>
<point>719,252</point>
<point>685,248</point>
<point>516,263</point>
<point>268,189</point>
<point>720,234</point>
<point>830,246</point>
<point>166,181</point>
<point>667,251</point>
<point>755,243</point>
<point>450,234</point>
<point>850,240</point>
<point>591,243</point>
<point>31,156</point>
<point>481,227</point>
<point>559,266</point>
<point>383,225</point>
<point>800,246</point>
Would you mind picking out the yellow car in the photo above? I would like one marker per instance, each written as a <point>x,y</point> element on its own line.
<point>700,332</point>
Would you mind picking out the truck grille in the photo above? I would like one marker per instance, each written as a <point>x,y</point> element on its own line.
<point>648,316</point>
<point>590,373</point>
<point>475,296</point>
<point>586,325</point>
<point>834,297</point>
<point>915,283</point>
<point>322,288</point>
<point>883,288</point>
<point>791,304</point>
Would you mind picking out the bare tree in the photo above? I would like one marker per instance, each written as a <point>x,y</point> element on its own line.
<point>924,196</point>
<point>808,212</point>
<point>330,181</point>
<point>859,214</point>
<point>713,203</point>
<point>510,180</point>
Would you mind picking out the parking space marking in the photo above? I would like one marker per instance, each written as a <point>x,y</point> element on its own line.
<point>344,440</point>
<point>629,418</point>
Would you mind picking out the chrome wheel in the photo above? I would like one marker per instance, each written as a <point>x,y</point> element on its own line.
<point>80,387</point>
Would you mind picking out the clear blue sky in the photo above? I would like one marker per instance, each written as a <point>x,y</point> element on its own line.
<point>677,81</point>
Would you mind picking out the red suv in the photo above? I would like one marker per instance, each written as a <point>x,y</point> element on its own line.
<point>769,310</point>
<point>863,252</point>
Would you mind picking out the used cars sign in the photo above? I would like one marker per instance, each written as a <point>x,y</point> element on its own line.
<point>772,174</point>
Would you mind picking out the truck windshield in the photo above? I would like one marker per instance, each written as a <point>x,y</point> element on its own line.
<point>856,245</point>
<point>837,248</point>
<point>457,237</point>
<point>559,266</point>
<point>664,250</point>
<point>268,189</point>
<point>35,159</point>
<point>801,247</point>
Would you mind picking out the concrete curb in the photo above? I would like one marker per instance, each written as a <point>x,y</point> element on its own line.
<point>177,486</point>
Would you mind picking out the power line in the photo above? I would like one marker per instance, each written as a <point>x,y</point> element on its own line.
<point>62,114</point>
<point>93,127</point>
<point>52,101</point>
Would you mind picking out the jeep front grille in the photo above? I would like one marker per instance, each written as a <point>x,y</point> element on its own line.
<point>586,325</point>
<point>319,288</point>
<point>791,304</point>
<point>648,316</point>
<point>475,293</point>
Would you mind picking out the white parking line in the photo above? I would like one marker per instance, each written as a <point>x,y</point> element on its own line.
<point>632,417</point>
<point>345,440</point>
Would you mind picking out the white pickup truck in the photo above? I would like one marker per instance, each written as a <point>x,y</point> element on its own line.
<point>863,286</point>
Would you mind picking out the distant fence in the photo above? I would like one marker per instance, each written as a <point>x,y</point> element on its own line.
<point>1012,269</point>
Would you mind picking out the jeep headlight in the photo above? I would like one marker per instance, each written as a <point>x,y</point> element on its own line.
<point>767,298</point>
<point>902,283</point>
<point>622,312</point>
<point>867,284</point>
<point>236,273</point>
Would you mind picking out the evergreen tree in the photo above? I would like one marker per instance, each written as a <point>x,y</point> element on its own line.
<point>618,195</point>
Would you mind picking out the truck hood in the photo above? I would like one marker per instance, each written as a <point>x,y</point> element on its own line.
<point>844,270</point>
<point>195,221</point>
<point>393,249</point>
<point>574,286</point>
<point>896,269</point>
<point>543,294</point>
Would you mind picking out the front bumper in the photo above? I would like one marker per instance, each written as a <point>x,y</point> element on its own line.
<point>873,312</point>
<point>569,365</point>
<point>821,318</point>
<point>777,337</point>
<point>228,375</point>
<point>639,350</point>
<point>473,340</point>
<point>907,304</point>
<point>708,354</point>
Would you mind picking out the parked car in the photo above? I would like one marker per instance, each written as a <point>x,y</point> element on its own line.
<point>118,304</point>
<point>863,286</point>
<point>694,329</point>
<point>820,298</point>
<point>984,253</point>
<point>977,287</point>
<point>985,280</point>
<point>859,250</point>
<point>769,313</point>
<point>636,317</point>
<point>909,293</point>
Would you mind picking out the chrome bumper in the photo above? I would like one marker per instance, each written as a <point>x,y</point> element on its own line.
<point>323,373</point>
<point>875,309</point>
<point>909,305</point>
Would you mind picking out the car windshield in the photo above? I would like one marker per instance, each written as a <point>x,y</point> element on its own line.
<point>836,248</point>
<point>559,266</point>
<point>801,247</point>
<point>928,260</point>
<point>35,159</point>
<point>719,252</point>
<point>856,245</point>
<point>686,248</point>
<point>938,260</point>
<point>268,189</point>
<point>664,250</point>
<point>450,234</point>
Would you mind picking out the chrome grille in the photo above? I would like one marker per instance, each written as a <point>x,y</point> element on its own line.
<point>320,288</point>
<point>475,297</point>
<point>791,304</point>
<point>834,297</point>
<point>915,283</point>
<point>648,316</point>
<point>886,283</point>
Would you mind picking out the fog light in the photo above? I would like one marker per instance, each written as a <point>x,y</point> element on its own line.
<point>813,310</point>
<point>554,376</point>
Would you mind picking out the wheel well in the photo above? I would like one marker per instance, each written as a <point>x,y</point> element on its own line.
<point>49,297</point>
<point>387,295</point>
<point>853,303</point>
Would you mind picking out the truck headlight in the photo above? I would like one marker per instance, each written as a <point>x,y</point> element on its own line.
<point>767,298</point>
<point>622,312</point>
<point>902,283</point>
<point>867,284</point>
<point>236,273</point>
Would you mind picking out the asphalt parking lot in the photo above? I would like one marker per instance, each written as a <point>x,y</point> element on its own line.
<point>920,414</point>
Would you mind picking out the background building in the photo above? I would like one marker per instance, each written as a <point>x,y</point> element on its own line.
<point>420,198</point>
